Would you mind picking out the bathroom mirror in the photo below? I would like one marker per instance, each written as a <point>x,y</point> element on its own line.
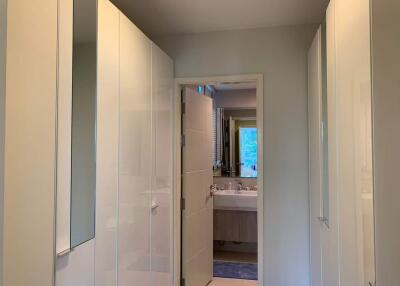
<point>235,142</point>
<point>83,161</point>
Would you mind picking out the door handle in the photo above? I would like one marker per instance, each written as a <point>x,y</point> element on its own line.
<point>322,219</point>
<point>213,188</point>
<point>154,206</point>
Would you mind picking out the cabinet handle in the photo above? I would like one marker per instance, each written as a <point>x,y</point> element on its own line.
<point>154,205</point>
<point>65,252</point>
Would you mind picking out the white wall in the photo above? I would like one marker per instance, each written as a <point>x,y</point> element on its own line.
<point>236,98</point>
<point>281,55</point>
<point>3,30</point>
<point>386,118</point>
<point>30,143</point>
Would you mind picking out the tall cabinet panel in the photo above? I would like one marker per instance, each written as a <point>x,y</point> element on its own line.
<point>347,241</point>
<point>107,145</point>
<point>314,131</point>
<point>161,183</point>
<point>135,155</point>
<point>30,145</point>
<point>354,145</point>
<point>329,243</point>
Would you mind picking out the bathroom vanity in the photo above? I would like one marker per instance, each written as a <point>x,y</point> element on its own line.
<point>235,216</point>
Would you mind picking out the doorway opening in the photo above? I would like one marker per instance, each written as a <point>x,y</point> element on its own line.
<point>219,181</point>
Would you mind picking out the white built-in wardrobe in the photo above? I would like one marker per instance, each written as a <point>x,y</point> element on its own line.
<point>134,164</point>
<point>134,156</point>
<point>342,236</point>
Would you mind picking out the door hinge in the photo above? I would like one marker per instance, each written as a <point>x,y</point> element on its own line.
<point>183,282</point>
<point>183,140</point>
<point>183,204</point>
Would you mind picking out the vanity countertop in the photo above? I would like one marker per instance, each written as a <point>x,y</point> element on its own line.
<point>234,200</point>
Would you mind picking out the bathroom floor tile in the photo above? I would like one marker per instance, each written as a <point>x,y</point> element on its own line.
<point>235,256</point>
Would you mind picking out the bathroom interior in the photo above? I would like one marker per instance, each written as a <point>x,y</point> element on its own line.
<point>234,155</point>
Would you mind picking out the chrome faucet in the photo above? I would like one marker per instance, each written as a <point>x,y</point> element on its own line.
<point>239,186</point>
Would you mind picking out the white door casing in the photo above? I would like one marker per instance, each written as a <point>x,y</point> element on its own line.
<point>179,82</point>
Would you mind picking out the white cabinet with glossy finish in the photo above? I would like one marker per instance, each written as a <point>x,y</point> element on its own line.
<point>354,144</point>
<point>347,242</point>
<point>107,145</point>
<point>329,244</point>
<point>315,166</point>
<point>161,246</point>
<point>30,145</point>
<point>135,156</point>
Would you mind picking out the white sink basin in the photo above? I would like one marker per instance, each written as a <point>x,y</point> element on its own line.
<point>232,200</point>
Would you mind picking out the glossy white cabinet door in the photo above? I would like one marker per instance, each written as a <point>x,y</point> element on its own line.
<point>30,145</point>
<point>162,168</point>
<point>107,145</point>
<point>354,145</point>
<point>135,156</point>
<point>329,237</point>
<point>314,130</point>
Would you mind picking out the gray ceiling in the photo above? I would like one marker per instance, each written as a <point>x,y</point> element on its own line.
<point>170,17</point>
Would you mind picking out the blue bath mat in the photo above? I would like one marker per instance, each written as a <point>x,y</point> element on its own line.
<point>235,270</point>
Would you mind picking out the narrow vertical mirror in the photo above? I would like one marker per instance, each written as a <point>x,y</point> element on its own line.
<point>83,181</point>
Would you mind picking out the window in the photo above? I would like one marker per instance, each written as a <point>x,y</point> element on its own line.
<point>248,152</point>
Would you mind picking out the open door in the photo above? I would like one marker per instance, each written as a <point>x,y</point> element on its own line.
<point>197,177</point>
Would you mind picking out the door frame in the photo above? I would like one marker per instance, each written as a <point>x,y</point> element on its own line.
<point>176,236</point>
